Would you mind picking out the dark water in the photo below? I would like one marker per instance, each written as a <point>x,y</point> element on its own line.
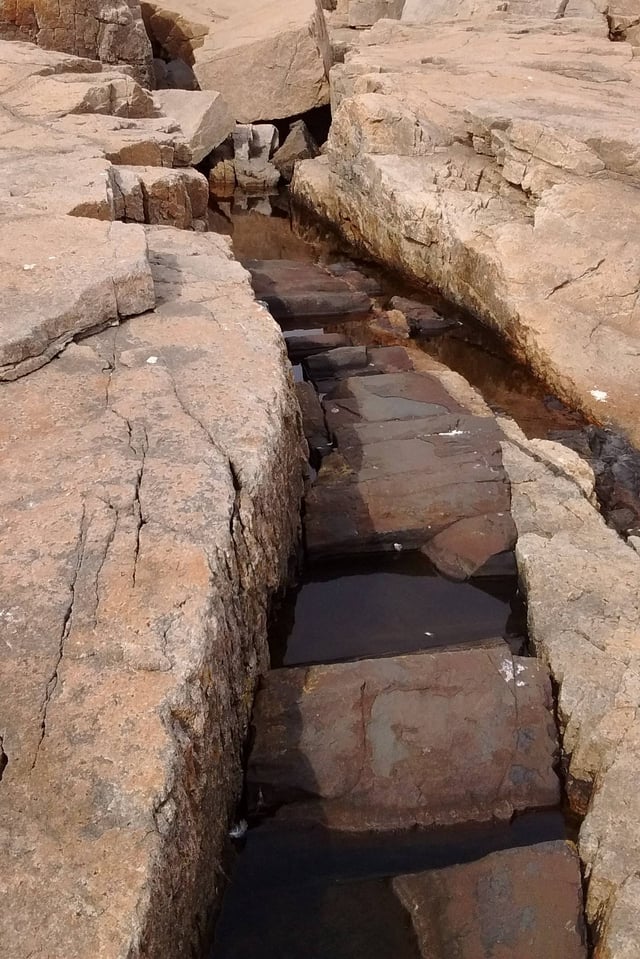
<point>310,893</point>
<point>381,605</point>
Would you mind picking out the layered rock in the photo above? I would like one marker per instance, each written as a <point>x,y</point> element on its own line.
<point>498,159</point>
<point>108,30</point>
<point>584,618</point>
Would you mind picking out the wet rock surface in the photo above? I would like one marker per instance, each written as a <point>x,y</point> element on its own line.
<point>513,189</point>
<point>304,290</point>
<point>481,716</point>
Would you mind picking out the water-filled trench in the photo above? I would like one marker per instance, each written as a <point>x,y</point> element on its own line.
<point>402,796</point>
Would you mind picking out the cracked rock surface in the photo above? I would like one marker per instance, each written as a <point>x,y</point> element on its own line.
<point>496,156</point>
<point>581,582</point>
<point>149,479</point>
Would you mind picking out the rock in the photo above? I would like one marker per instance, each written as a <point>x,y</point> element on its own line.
<point>222,178</point>
<point>108,30</point>
<point>176,198</point>
<point>389,326</point>
<point>324,365</point>
<point>264,141</point>
<point>507,204</point>
<point>422,319</point>
<point>393,430</point>
<point>204,117</point>
<point>293,288</point>
<point>282,42</point>
<point>299,145</point>
<point>45,97</point>
<point>301,345</point>
<point>177,29</point>
<point>145,142</point>
<point>469,546</point>
<point>180,75</point>
<point>76,276</point>
<point>518,902</point>
<point>364,13</point>
<point>134,501</point>
<point>256,175</point>
<point>460,709</point>
<point>313,424</point>
<point>580,580</point>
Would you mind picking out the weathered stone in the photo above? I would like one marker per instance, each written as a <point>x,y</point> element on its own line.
<point>222,178</point>
<point>519,902</point>
<point>299,289</point>
<point>473,545</point>
<point>300,345</point>
<point>139,487</point>
<point>264,141</point>
<point>364,13</point>
<point>517,200</point>
<point>178,28</point>
<point>108,30</point>
<point>73,277</point>
<point>256,175</point>
<point>313,424</point>
<point>422,319</point>
<point>580,581</point>
<point>282,42</point>
<point>323,365</point>
<point>43,97</point>
<point>480,716</point>
<point>154,195</point>
<point>389,326</point>
<point>299,145</point>
<point>410,463</point>
<point>204,118</point>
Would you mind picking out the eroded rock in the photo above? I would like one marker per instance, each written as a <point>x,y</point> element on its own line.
<point>203,116</point>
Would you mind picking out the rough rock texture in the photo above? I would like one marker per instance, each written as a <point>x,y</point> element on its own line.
<point>299,145</point>
<point>516,903</point>
<point>295,289</point>
<point>204,117</point>
<point>498,158</point>
<point>481,716</point>
<point>108,30</point>
<point>283,43</point>
<point>581,583</point>
<point>135,500</point>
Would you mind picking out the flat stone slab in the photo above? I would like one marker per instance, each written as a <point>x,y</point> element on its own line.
<point>296,289</point>
<point>63,279</point>
<point>410,463</point>
<point>521,903</point>
<point>432,738</point>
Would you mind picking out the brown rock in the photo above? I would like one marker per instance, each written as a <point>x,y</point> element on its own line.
<point>299,145</point>
<point>433,738</point>
<point>389,327</point>
<point>472,546</point>
<point>515,903</point>
<point>300,345</point>
<point>295,289</point>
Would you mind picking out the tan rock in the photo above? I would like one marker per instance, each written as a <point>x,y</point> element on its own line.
<point>364,13</point>
<point>51,96</point>
<point>154,195</point>
<point>138,488</point>
<point>281,41</point>
<point>108,30</point>
<point>75,276</point>
<point>515,185</point>
<point>203,116</point>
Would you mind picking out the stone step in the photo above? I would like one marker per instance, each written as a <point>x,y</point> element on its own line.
<point>311,896</point>
<point>433,738</point>
<point>390,604</point>
<point>296,289</point>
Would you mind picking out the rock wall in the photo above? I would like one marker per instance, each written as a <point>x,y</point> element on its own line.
<point>498,160</point>
<point>111,31</point>
<point>150,479</point>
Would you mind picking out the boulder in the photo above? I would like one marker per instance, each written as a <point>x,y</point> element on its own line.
<point>364,13</point>
<point>108,30</point>
<point>176,198</point>
<point>282,42</point>
<point>203,116</point>
<point>437,737</point>
<point>258,176</point>
<point>296,289</point>
<point>299,145</point>
<point>423,320</point>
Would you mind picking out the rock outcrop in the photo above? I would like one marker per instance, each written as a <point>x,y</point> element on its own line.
<point>149,509</point>
<point>111,31</point>
<point>584,618</point>
<point>498,158</point>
